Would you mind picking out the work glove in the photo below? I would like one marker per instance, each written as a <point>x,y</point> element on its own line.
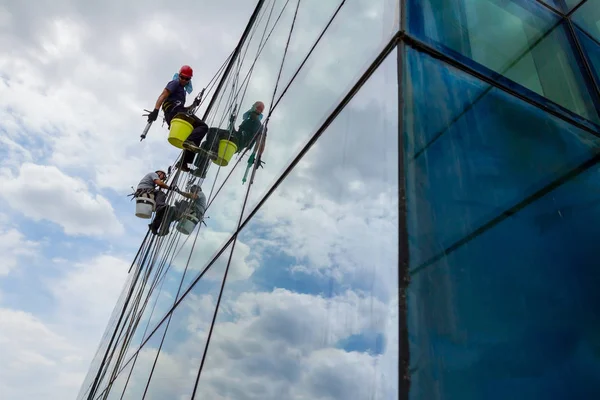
<point>152,115</point>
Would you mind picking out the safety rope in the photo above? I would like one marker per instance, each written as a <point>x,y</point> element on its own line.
<point>226,273</point>
<point>132,311</point>
<point>262,44</point>
<point>157,247</point>
<point>245,84</point>
<point>136,312</point>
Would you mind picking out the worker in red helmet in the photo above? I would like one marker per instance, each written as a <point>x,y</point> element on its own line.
<point>172,101</point>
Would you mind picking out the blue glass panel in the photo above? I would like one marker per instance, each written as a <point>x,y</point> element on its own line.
<point>571,4</point>
<point>479,153</point>
<point>310,305</point>
<point>558,5</point>
<point>515,311</point>
<point>588,18</point>
<point>563,6</point>
<point>519,39</point>
<point>591,49</point>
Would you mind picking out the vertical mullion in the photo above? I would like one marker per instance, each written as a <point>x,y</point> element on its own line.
<point>403,254</point>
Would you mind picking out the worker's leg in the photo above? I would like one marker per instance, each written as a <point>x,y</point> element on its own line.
<point>192,143</point>
<point>213,138</point>
<point>162,221</point>
<point>211,149</point>
<point>160,198</point>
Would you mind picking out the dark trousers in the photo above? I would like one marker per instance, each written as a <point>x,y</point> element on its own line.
<point>160,198</point>
<point>213,137</point>
<point>198,133</point>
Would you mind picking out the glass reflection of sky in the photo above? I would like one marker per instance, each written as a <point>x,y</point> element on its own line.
<point>315,317</point>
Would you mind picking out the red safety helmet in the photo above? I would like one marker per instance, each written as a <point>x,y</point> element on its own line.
<point>186,71</point>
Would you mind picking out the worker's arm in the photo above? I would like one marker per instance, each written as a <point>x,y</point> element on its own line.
<point>261,141</point>
<point>201,204</point>
<point>192,196</point>
<point>161,184</point>
<point>163,96</point>
<point>261,144</point>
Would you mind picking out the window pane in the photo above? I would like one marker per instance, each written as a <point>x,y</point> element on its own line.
<point>224,192</point>
<point>588,18</point>
<point>513,312</point>
<point>480,153</point>
<point>179,359</point>
<point>563,5</point>
<point>313,15</point>
<point>591,49</point>
<point>571,4</point>
<point>352,41</point>
<point>318,317</point>
<point>556,4</point>
<point>519,39</point>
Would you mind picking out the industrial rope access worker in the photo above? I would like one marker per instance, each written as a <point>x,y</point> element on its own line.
<point>250,133</point>
<point>148,188</point>
<point>172,101</point>
<point>196,206</point>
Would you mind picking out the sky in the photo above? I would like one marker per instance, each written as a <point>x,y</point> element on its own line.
<point>310,300</point>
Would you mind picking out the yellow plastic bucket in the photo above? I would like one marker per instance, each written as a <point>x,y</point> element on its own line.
<point>179,132</point>
<point>226,150</point>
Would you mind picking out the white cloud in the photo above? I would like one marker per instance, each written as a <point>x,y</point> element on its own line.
<point>87,289</point>
<point>45,193</point>
<point>31,350</point>
<point>270,346</point>
<point>56,349</point>
<point>14,247</point>
<point>64,38</point>
<point>208,242</point>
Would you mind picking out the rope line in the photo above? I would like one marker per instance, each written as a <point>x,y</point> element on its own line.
<point>226,273</point>
<point>173,248</point>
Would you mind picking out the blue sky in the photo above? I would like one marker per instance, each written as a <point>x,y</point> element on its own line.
<point>74,83</point>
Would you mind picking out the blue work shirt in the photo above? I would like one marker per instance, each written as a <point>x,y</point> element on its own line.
<point>176,95</point>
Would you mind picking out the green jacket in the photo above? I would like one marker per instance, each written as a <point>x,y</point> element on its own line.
<point>247,133</point>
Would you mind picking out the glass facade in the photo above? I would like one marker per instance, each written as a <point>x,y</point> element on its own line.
<point>424,226</point>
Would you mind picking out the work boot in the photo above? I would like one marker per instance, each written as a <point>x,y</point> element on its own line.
<point>191,146</point>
